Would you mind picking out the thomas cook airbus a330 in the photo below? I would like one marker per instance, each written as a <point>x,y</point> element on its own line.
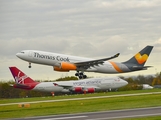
<point>66,63</point>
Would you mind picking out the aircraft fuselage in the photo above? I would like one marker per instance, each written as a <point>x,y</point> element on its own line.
<point>54,59</point>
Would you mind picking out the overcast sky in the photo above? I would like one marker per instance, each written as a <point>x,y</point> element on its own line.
<point>86,28</point>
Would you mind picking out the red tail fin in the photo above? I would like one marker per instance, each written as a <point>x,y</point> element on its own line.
<point>20,77</point>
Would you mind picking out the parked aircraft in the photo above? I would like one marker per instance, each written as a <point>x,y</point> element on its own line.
<point>146,86</point>
<point>90,85</point>
<point>65,63</point>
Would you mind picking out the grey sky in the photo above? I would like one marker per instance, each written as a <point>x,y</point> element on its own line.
<point>87,28</point>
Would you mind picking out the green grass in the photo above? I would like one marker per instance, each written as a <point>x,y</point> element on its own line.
<point>2,101</point>
<point>91,105</point>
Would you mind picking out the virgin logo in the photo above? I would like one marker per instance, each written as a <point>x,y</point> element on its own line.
<point>20,79</point>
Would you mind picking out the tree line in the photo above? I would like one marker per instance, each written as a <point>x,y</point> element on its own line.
<point>134,83</point>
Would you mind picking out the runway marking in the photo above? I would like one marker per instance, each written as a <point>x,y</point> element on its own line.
<point>132,116</point>
<point>65,118</point>
<point>86,98</point>
<point>88,115</point>
<point>119,110</point>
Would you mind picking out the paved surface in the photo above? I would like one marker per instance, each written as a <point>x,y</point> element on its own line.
<point>106,115</point>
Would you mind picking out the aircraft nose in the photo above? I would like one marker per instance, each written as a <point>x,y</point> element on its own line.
<point>18,54</point>
<point>125,82</point>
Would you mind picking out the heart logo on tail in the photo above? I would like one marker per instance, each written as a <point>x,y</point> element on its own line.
<point>141,58</point>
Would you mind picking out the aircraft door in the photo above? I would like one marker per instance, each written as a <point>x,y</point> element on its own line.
<point>30,54</point>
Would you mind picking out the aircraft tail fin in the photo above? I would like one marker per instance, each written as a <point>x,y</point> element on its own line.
<point>141,57</point>
<point>20,77</point>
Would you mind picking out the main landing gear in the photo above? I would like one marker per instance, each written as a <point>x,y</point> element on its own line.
<point>29,65</point>
<point>80,75</point>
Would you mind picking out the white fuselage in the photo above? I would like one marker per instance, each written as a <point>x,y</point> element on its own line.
<point>68,86</point>
<point>89,85</point>
<point>54,59</point>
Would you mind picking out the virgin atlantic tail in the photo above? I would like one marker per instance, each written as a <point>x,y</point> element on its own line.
<point>22,80</point>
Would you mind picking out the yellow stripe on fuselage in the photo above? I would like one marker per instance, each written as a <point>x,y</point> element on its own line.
<point>116,67</point>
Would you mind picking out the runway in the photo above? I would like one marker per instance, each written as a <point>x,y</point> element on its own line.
<point>105,115</point>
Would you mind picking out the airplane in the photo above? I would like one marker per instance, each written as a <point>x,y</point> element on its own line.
<point>146,86</point>
<point>89,85</point>
<point>65,63</point>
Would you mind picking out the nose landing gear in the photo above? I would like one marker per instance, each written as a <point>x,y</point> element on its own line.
<point>80,75</point>
<point>29,65</point>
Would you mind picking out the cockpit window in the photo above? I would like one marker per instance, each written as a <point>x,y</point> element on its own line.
<point>22,52</point>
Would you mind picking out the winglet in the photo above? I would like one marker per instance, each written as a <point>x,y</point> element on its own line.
<point>117,54</point>
<point>114,56</point>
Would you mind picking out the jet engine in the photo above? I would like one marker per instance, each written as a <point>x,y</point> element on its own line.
<point>90,90</point>
<point>81,89</point>
<point>65,67</point>
<point>77,89</point>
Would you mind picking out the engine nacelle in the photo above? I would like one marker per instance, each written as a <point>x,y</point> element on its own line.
<point>90,90</point>
<point>59,69</point>
<point>80,89</point>
<point>77,89</point>
<point>65,67</point>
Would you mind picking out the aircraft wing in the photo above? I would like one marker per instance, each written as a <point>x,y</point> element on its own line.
<point>91,63</point>
<point>70,86</point>
<point>64,86</point>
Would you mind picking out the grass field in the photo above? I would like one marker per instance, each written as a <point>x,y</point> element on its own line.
<point>91,105</point>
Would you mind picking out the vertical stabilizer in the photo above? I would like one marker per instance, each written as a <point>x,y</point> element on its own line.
<point>20,77</point>
<point>141,57</point>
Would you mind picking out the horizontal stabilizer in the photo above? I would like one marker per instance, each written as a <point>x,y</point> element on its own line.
<point>141,67</point>
<point>21,86</point>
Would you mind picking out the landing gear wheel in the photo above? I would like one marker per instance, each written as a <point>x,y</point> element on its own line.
<point>77,74</point>
<point>29,65</point>
<point>80,75</point>
<point>84,76</point>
